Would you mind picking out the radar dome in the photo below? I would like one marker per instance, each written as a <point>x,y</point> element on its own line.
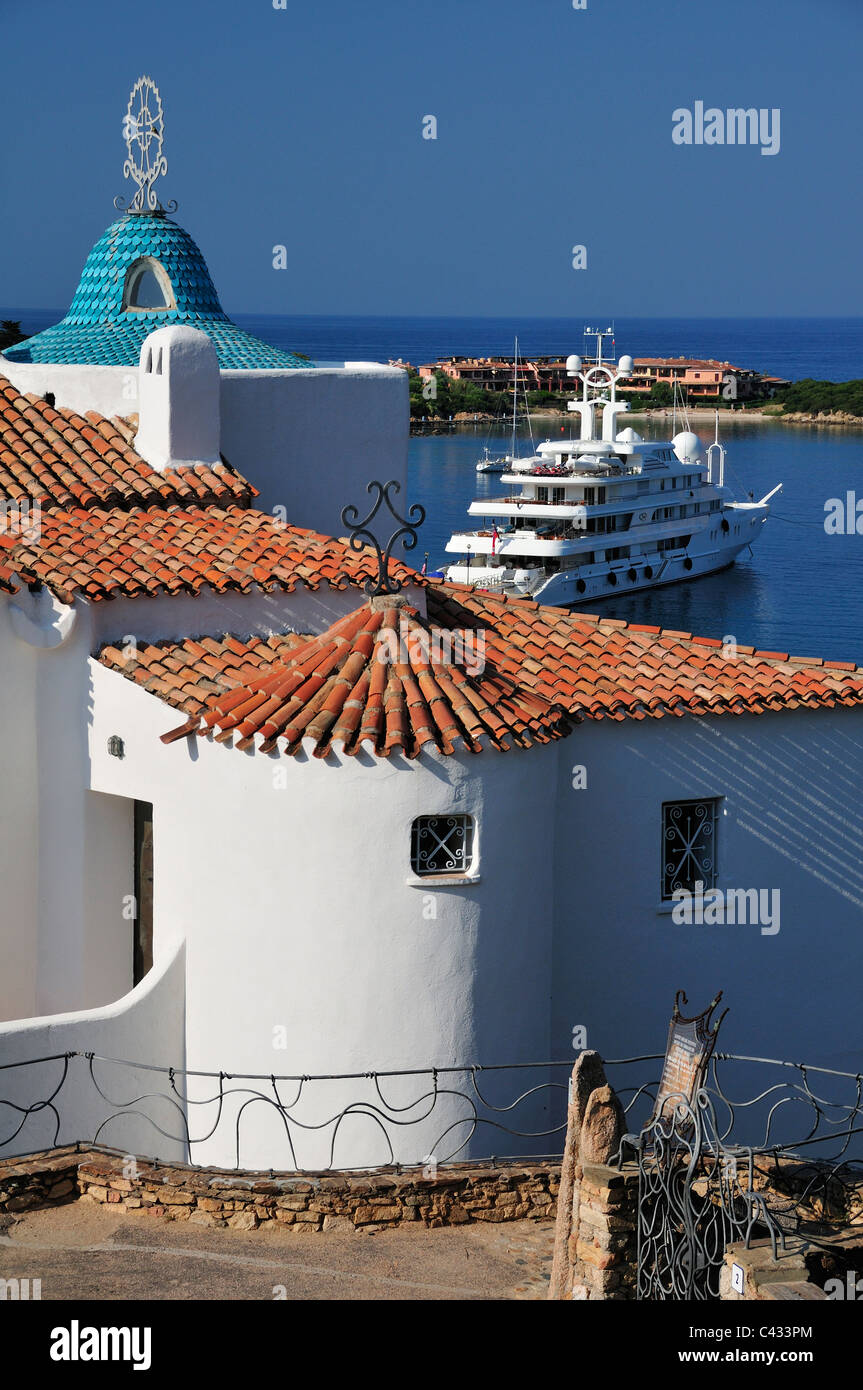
<point>687,447</point>
<point>624,366</point>
<point>573,365</point>
<point>629,436</point>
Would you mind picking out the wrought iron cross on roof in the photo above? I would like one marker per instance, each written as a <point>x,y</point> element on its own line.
<point>143,131</point>
<point>361,535</point>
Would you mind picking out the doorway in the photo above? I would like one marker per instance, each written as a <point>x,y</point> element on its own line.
<point>142,955</point>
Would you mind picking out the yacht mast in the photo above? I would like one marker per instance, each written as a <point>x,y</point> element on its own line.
<point>514,395</point>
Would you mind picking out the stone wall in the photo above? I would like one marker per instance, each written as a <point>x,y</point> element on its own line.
<point>458,1195</point>
<point>44,1180</point>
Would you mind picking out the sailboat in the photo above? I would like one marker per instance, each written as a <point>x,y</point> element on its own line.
<point>497,463</point>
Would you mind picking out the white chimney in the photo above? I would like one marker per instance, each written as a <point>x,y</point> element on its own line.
<point>178,399</point>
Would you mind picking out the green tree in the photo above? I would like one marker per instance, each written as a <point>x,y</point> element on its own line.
<point>661,393</point>
<point>812,397</point>
<point>10,334</point>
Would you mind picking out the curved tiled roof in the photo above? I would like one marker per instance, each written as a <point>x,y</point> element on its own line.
<point>378,680</point>
<point>97,330</point>
<point>603,668</point>
<point>61,459</point>
<point>101,554</point>
<point>532,674</point>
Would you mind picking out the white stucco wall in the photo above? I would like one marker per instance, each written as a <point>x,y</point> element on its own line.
<point>107,390</point>
<point>312,440</point>
<point>146,1024</point>
<point>309,439</point>
<point>791,819</point>
<point>65,852</point>
<point>19,824</point>
<point>293,900</point>
<point>243,614</point>
<point>297,913</point>
<point>85,846</point>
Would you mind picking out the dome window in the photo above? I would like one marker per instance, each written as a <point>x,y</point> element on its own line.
<point>148,288</point>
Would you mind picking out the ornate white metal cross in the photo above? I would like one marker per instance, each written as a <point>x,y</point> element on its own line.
<point>143,132</point>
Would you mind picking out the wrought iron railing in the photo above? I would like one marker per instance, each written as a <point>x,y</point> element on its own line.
<point>354,1120</point>
<point>782,1109</point>
<point>780,1142</point>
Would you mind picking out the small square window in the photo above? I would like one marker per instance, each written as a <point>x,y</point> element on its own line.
<point>442,844</point>
<point>688,845</point>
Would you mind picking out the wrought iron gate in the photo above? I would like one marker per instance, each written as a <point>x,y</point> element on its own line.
<point>695,1196</point>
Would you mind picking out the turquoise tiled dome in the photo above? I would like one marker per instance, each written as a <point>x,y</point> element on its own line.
<point>98,329</point>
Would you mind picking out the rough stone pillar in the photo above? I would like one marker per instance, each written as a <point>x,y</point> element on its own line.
<point>593,1129</point>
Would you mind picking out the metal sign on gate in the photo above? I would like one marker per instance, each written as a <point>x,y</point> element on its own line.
<point>690,1044</point>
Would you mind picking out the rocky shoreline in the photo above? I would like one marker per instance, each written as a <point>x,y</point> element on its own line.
<point>837,418</point>
<point>824,417</point>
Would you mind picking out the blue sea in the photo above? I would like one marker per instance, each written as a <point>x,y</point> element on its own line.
<point>827,349</point>
<point>801,590</point>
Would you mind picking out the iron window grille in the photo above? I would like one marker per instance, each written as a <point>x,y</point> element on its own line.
<point>688,845</point>
<point>442,845</point>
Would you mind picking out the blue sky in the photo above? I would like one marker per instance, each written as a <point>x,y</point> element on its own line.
<point>303,127</point>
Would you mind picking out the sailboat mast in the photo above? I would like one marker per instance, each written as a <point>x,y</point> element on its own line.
<point>514,395</point>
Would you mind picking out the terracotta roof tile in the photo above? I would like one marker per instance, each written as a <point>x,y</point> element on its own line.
<point>612,670</point>
<point>101,554</point>
<point>380,679</point>
<point>369,682</point>
<point>59,458</point>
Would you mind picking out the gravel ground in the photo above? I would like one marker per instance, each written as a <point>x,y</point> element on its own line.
<point>83,1251</point>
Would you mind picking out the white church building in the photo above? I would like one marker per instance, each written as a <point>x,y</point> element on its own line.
<point>254,821</point>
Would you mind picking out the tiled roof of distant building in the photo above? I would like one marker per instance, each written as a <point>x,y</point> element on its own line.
<point>100,330</point>
<point>683,362</point>
<point>379,680</point>
<point>59,458</point>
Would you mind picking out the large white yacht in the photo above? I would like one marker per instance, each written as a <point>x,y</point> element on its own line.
<point>607,513</point>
